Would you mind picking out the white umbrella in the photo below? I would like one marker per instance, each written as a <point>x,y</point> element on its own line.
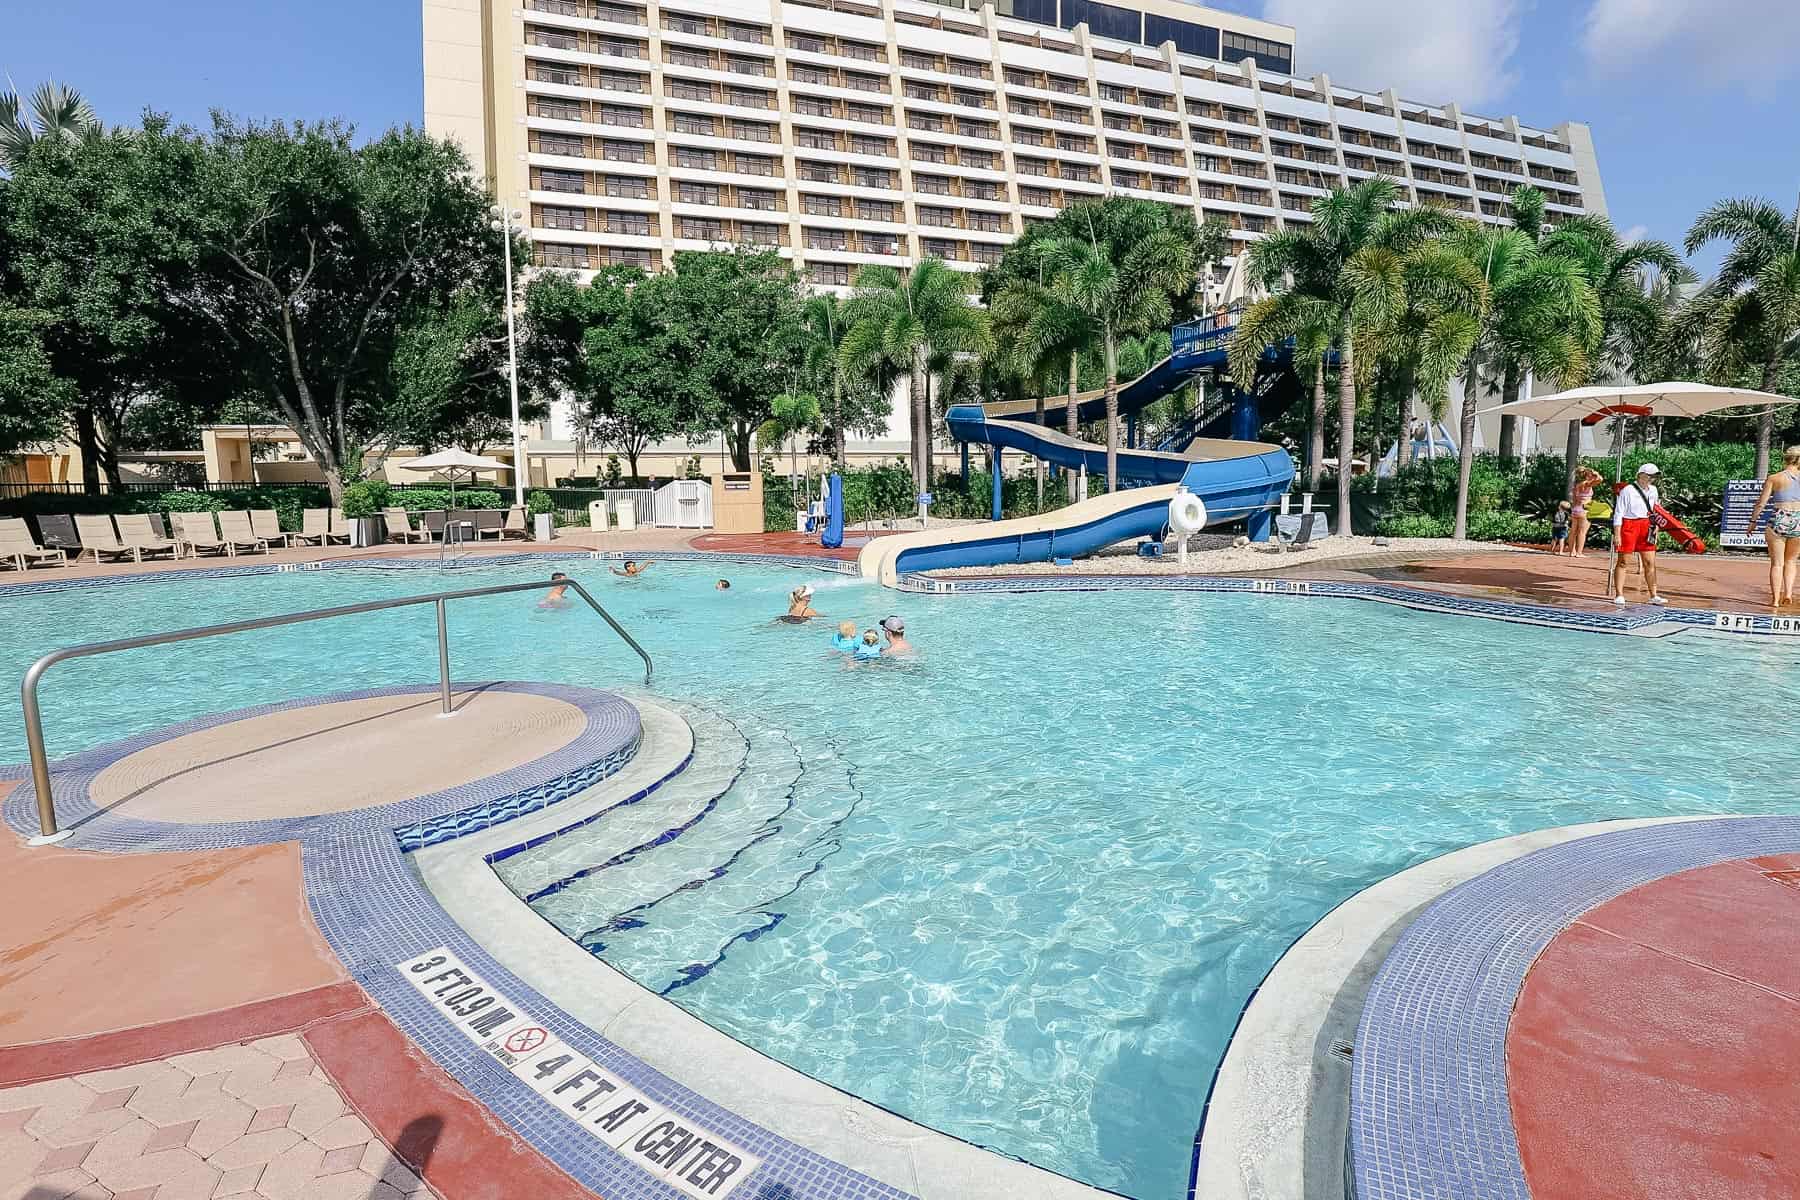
<point>1618,401</point>
<point>456,464</point>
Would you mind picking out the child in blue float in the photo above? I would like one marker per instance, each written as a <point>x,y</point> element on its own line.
<point>869,648</point>
<point>844,640</point>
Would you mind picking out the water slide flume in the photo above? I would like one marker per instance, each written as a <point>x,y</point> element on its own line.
<point>1234,480</point>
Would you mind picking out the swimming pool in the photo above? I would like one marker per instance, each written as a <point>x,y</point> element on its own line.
<point>1020,890</point>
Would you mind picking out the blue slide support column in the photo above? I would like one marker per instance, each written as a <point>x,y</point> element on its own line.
<point>965,466</point>
<point>1244,415</point>
<point>996,452</point>
<point>1131,431</point>
<point>1259,524</point>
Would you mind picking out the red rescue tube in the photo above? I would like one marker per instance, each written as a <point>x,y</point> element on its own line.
<point>1684,537</point>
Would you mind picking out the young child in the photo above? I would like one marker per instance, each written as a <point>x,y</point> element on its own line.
<point>844,640</point>
<point>1559,528</point>
<point>869,648</point>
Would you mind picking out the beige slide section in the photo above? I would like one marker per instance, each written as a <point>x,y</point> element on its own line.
<point>877,559</point>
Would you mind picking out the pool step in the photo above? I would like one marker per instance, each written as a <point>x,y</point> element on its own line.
<point>678,938</point>
<point>679,839</point>
<point>720,753</point>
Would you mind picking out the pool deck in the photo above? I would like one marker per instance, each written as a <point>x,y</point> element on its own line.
<point>175,1021</point>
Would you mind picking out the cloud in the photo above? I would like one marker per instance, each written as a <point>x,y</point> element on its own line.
<point>1724,43</point>
<point>1427,50</point>
<point>1636,233</point>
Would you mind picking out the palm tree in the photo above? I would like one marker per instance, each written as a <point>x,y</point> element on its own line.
<point>57,114</point>
<point>1123,264</point>
<point>825,329</point>
<point>1435,298</point>
<point>1752,308</point>
<point>898,323</point>
<point>1298,269</point>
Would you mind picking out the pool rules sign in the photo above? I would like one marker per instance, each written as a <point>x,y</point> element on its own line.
<point>670,1147</point>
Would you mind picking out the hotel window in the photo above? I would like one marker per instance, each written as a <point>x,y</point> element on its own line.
<point>1127,179</point>
<point>618,14</point>
<point>759,200</point>
<point>876,210</point>
<point>1017,78</point>
<point>556,110</point>
<point>1030,137</point>
<point>1103,20</point>
<point>1271,56</point>
<point>1164,183</point>
<point>701,229</point>
<point>986,130</point>
<point>556,254</point>
<point>929,215</point>
<point>681,56</point>
<point>862,143</point>
<point>747,33</point>
<point>694,123</point>
<point>636,224</point>
<point>862,53</point>
<point>682,89</point>
<point>817,172</point>
<point>1117,94</point>
<point>630,256</point>
<point>1032,166</point>
<point>561,181</point>
<point>1164,157</point>
<point>968,70</point>
<point>870,178</point>
<point>1037,197</point>
<point>821,206</point>
<point>866,114</point>
<point>987,222</point>
<point>1080,172</point>
<point>551,217</point>
<point>700,160</point>
<point>806,42</point>
<point>624,151</point>
<point>690,25</point>
<point>1161,129</point>
<point>827,239</point>
<point>864,83</point>
<point>986,252</point>
<point>935,185</point>
<point>751,131</point>
<point>621,49</point>
<point>984,159</point>
<point>938,248</point>
<point>554,39</point>
<point>566,144</point>
<point>1081,145</point>
<point>624,81</point>
<point>746,98</point>
<point>837,274</point>
<point>562,8</point>
<point>813,106</point>
<point>1038,12</point>
<point>697,193</point>
<point>545,72</point>
<point>1074,116</point>
<point>814,139</point>
<point>801,73</point>
<point>915,61</point>
<point>748,66</point>
<point>628,187</point>
<point>922,91</point>
<point>755,164</point>
<point>757,234</point>
<point>976,189</point>
<point>926,121</point>
<point>1065,85</point>
<point>618,114</point>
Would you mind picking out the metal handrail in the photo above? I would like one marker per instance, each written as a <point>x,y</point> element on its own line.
<point>34,726</point>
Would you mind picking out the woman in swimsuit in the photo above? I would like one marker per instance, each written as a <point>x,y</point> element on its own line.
<point>1579,498</point>
<point>1781,495</point>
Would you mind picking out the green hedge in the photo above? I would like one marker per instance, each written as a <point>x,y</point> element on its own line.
<point>883,492</point>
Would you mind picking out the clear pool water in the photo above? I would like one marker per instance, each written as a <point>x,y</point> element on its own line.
<point>1020,890</point>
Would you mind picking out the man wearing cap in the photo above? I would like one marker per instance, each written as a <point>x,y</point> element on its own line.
<point>1634,531</point>
<point>897,645</point>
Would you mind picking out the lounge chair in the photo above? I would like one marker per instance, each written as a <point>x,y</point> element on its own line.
<point>18,548</point>
<point>490,522</point>
<point>1300,538</point>
<point>156,525</point>
<point>195,530</point>
<point>339,529</point>
<point>315,527</point>
<point>432,521</point>
<point>515,524</point>
<point>99,539</point>
<point>58,533</point>
<point>267,525</point>
<point>136,532</point>
<point>400,528</point>
<point>237,532</point>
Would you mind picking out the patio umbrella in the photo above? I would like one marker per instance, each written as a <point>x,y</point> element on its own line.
<point>1590,405</point>
<point>455,464</point>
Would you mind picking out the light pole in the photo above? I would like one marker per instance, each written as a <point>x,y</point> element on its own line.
<point>504,219</point>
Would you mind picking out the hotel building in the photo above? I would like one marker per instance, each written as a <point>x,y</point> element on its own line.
<point>846,132</point>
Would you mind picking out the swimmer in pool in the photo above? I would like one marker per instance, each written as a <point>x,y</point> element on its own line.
<point>554,597</point>
<point>800,605</point>
<point>724,585</point>
<point>869,649</point>
<point>844,640</point>
<point>897,645</point>
<point>633,568</point>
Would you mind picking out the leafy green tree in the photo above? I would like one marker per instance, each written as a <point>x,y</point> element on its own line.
<point>790,414</point>
<point>56,114</point>
<point>1429,299</point>
<point>1299,269</point>
<point>447,381</point>
<point>736,319</point>
<point>1125,265</point>
<point>320,255</point>
<point>34,401</point>
<point>103,231</point>
<point>1750,312</point>
<point>898,324</point>
<point>858,404</point>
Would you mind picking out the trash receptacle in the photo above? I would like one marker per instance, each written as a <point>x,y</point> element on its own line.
<point>627,513</point>
<point>597,515</point>
<point>544,527</point>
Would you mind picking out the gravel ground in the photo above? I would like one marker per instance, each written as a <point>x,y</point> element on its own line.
<point>1214,554</point>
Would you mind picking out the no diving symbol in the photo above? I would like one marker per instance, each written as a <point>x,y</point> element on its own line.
<point>524,1041</point>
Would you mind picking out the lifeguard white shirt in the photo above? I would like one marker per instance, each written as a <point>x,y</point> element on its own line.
<point>1630,506</point>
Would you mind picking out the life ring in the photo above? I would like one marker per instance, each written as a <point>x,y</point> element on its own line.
<point>1187,513</point>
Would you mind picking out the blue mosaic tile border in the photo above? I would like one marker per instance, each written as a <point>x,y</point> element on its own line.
<point>1430,1115</point>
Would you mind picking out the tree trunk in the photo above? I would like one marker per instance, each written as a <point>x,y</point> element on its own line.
<point>1765,420</point>
<point>1509,426</point>
<point>1403,455</point>
<point>919,419</point>
<point>740,446</point>
<point>1346,424</point>
<point>1315,449</point>
<point>1040,462</point>
<point>631,462</point>
<point>1112,416</point>
<point>1571,458</point>
<point>87,436</point>
<point>1074,383</point>
<point>837,420</point>
<point>1465,449</point>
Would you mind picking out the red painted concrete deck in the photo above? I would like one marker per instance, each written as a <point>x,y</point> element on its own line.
<point>798,544</point>
<point>1655,1048</point>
